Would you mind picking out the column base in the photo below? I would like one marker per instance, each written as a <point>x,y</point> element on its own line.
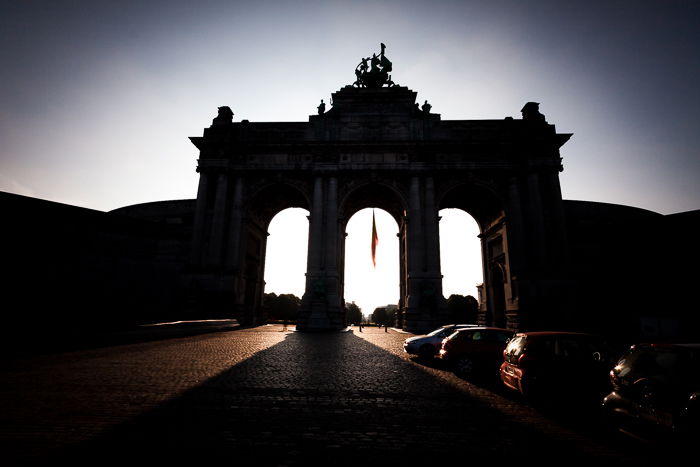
<point>319,318</point>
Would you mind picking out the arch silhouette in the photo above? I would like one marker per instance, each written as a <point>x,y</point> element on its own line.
<point>373,149</point>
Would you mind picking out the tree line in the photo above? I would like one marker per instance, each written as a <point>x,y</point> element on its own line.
<point>285,307</point>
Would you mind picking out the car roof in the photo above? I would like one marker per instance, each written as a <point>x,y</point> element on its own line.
<point>687,345</point>
<point>555,333</point>
<point>483,328</point>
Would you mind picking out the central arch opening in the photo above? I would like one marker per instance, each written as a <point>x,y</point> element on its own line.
<point>372,284</point>
<point>379,283</point>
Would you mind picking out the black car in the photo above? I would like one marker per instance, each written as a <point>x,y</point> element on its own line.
<point>656,390</point>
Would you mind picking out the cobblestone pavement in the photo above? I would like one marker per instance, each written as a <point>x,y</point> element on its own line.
<point>263,396</point>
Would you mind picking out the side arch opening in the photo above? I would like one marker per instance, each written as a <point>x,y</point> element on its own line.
<point>285,264</point>
<point>290,232</point>
<point>461,263</point>
<point>485,207</point>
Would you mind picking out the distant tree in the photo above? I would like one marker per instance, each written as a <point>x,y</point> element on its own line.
<point>353,313</point>
<point>378,315</point>
<point>281,307</point>
<point>463,309</point>
<point>384,315</point>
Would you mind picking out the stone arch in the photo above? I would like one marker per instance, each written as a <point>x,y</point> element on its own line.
<point>480,199</point>
<point>385,195</point>
<point>366,193</point>
<point>374,148</point>
<point>267,198</point>
<point>483,201</point>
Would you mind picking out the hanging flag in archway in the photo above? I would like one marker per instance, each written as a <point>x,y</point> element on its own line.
<point>375,240</point>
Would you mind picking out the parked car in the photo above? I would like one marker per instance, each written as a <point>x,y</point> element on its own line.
<point>475,350</point>
<point>656,390</point>
<point>428,346</point>
<point>557,364</point>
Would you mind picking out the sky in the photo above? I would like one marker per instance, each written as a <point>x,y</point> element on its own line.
<point>98,98</point>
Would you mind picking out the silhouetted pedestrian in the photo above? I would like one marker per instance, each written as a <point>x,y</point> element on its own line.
<point>285,326</point>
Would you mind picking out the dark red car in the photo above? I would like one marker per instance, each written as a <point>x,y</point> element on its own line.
<point>475,350</point>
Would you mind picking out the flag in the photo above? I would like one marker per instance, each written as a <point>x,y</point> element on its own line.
<point>375,240</point>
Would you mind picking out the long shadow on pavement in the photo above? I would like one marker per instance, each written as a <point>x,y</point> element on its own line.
<point>326,399</point>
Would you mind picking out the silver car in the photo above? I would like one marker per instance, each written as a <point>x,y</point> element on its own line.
<point>428,346</point>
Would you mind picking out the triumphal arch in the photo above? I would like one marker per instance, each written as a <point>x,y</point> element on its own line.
<point>377,147</point>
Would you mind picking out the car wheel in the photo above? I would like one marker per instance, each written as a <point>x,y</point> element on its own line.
<point>464,366</point>
<point>426,352</point>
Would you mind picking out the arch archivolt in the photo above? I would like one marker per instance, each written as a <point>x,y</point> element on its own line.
<point>266,197</point>
<point>386,194</point>
<point>479,197</point>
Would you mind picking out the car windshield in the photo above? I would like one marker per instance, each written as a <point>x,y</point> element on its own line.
<point>660,364</point>
<point>438,331</point>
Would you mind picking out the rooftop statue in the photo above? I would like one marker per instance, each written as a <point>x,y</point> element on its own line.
<point>225,116</point>
<point>376,74</point>
<point>531,112</point>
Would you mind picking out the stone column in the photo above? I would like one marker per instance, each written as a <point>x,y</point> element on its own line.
<point>199,220</point>
<point>432,233</point>
<point>403,280</point>
<point>332,240</point>
<point>558,217</point>
<point>218,225</point>
<point>431,220</point>
<point>514,226</point>
<point>235,227</point>
<point>315,250</point>
<point>414,241</point>
<point>538,239</point>
<point>415,229</point>
<point>313,314</point>
<point>331,237</point>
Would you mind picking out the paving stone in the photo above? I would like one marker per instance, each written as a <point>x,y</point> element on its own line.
<point>268,397</point>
